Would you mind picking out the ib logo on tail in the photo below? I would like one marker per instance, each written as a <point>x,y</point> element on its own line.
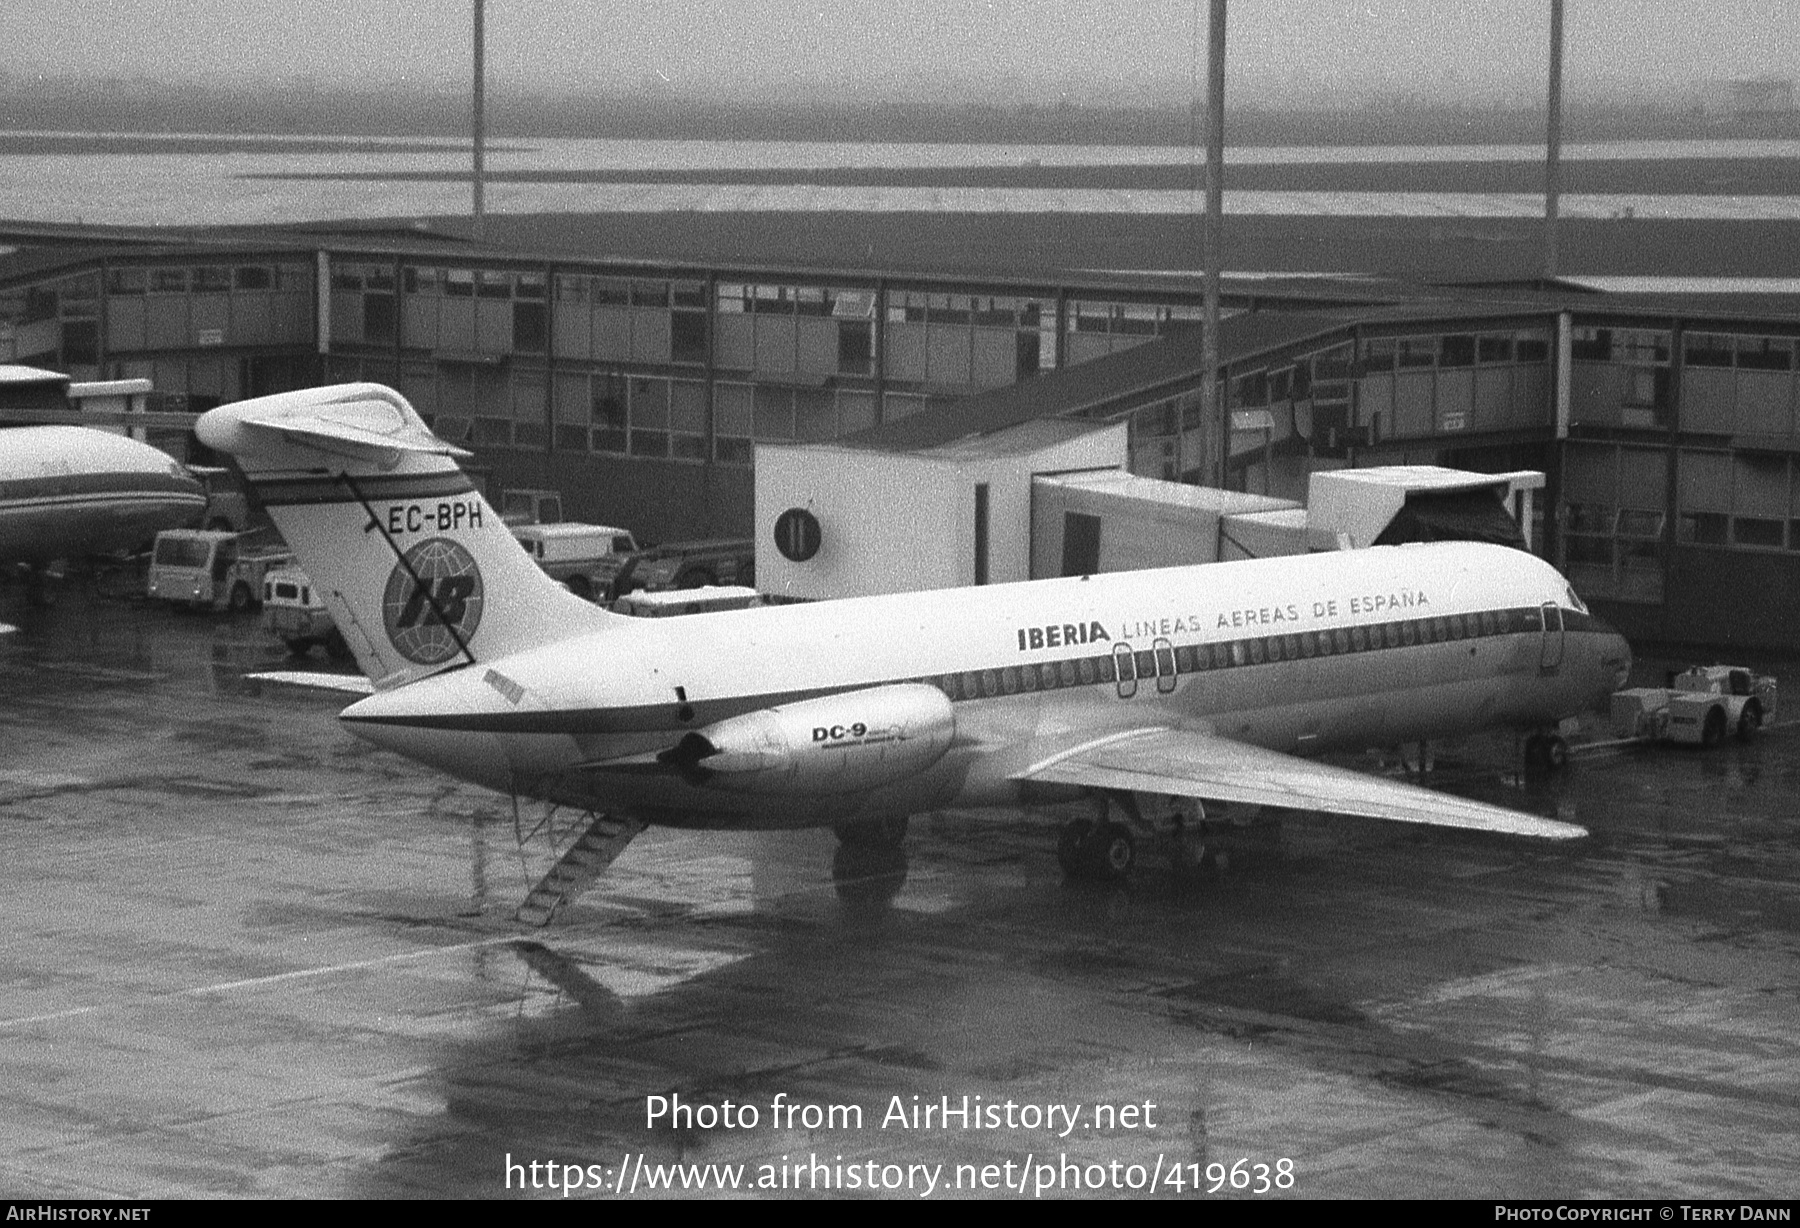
<point>433,600</point>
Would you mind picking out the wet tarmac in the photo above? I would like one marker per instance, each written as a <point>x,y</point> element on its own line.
<point>244,954</point>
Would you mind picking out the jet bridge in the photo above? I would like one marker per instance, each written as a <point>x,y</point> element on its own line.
<point>1115,521</point>
<point>1053,498</point>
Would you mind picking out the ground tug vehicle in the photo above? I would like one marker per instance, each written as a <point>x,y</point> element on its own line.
<point>1699,706</point>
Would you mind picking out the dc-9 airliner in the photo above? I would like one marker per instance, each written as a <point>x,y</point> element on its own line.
<point>1219,682</point>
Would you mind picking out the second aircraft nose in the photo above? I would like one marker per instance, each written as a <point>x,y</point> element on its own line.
<point>1615,654</point>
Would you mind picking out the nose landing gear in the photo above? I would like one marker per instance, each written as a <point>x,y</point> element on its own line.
<point>1545,753</point>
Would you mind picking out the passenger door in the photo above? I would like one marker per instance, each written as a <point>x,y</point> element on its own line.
<point>1125,663</point>
<point>1158,663</point>
<point>1551,654</point>
<point>1165,666</point>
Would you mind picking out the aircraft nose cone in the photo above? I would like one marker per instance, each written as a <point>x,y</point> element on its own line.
<point>1615,654</point>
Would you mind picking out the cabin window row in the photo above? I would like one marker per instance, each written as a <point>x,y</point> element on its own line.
<point>1163,661</point>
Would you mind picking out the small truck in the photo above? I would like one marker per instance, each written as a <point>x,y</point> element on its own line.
<point>211,569</point>
<point>296,615</point>
<point>1699,706</point>
<point>584,557</point>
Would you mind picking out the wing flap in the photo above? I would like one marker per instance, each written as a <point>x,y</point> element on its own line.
<point>1187,763</point>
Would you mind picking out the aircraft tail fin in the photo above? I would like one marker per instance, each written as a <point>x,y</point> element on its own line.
<point>416,567</point>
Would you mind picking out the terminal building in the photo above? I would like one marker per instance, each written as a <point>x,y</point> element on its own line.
<point>1668,428</point>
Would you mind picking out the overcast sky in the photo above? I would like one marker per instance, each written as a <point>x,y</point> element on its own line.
<point>1278,48</point>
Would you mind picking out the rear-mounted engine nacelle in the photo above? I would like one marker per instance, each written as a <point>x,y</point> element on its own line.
<point>838,744</point>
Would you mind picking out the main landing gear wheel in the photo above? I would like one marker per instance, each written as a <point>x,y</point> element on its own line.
<point>1195,851</point>
<point>1546,753</point>
<point>1096,852</point>
<point>1712,732</point>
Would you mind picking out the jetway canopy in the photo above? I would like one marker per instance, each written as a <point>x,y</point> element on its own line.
<point>1477,515</point>
<point>1401,503</point>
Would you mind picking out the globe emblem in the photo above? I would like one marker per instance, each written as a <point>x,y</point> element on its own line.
<point>447,593</point>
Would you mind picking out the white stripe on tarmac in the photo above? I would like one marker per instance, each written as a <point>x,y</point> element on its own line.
<point>299,974</point>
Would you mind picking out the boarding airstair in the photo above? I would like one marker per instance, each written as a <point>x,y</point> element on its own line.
<point>580,864</point>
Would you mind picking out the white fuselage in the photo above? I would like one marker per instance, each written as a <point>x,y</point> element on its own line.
<point>1302,654</point>
<point>67,491</point>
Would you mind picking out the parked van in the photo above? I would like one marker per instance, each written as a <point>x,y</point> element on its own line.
<point>585,557</point>
<point>296,615</point>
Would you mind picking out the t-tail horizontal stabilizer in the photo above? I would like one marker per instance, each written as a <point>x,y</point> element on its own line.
<point>358,421</point>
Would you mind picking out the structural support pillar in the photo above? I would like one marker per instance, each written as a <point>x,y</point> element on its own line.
<point>1553,142</point>
<point>1212,404</point>
<point>479,128</point>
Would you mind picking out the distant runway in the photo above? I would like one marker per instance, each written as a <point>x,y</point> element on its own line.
<point>205,180</point>
<point>515,152</point>
<point>1718,215</point>
<point>505,197</point>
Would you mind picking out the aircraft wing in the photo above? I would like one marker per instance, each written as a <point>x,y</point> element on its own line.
<point>1187,763</point>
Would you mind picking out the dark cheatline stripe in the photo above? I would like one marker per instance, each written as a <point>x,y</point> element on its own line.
<point>643,718</point>
<point>1069,672</point>
<point>284,492</point>
<point>129,482</point>
<point>124,501</point>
